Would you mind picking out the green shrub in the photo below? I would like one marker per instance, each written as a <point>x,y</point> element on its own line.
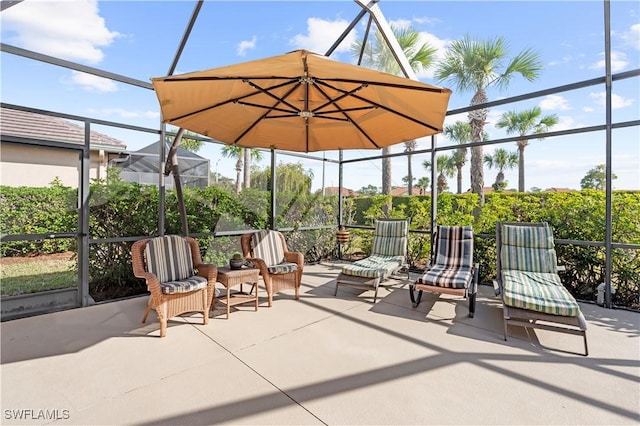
<point>119,209</point>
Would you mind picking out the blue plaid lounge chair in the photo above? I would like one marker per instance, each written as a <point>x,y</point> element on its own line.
<point>388,256</point>
<point>528,280</point>
<point>280,268</point>
<point>451,270</point>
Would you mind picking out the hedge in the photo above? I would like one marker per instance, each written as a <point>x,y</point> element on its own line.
<point>119,209</point>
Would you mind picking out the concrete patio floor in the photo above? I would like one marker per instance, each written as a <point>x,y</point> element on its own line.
<point>320,360</point>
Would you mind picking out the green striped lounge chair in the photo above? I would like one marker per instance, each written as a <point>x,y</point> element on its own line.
<point>527,278</point>
<point>388,256</point>
<point>451,270</point>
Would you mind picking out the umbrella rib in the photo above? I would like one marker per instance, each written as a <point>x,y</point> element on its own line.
<point>179,79</point>
<point>333,101</point>
<point>263,116</point>
<point>433,89</point>
<point>270,108</point>
<point>228,101</point>
<point>279,100</point>
<point>360,129</point>
<point>376,104</point>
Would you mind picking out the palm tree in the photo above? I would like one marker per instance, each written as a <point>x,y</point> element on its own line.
<point>410,146</point>
<point>377,55</point>
<point>249,154</point>
<point>501,160</point>
<point>475,65</point>
<point>446,167</point>
<point>243,157</point>
<point>460,132</point>
<point>187,142</point>
<point>423,184</point>
<point>234,151</point>
<point>524,123</point>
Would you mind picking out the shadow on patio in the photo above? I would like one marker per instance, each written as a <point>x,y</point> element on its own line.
<point>319,360</point>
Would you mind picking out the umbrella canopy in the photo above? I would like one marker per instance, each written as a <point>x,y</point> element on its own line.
<point>302,101</point>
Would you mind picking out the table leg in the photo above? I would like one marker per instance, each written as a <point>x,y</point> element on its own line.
<point>228,300</point>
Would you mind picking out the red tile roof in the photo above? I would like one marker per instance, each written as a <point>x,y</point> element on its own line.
<point>333,190</point>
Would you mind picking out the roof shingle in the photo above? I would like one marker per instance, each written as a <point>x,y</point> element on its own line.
<point>38,126</point>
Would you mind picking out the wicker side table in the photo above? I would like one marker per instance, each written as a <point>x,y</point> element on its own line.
<point>232,277</point>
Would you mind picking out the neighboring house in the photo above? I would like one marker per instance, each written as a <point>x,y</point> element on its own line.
<point>26,161</point>
<point>552,189</point>
<point>489,189</point>
<point>143,167</point>
<point>334,190</point>
<point>404,190</point>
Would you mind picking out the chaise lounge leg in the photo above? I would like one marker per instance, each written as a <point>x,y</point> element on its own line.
<point>415,301</point>
<point>586,349</point>
<point>472,305</point>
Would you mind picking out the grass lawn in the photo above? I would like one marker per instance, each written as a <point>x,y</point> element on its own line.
<point>32,274</point>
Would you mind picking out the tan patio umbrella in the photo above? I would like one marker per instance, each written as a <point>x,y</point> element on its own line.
<point>302,101</point>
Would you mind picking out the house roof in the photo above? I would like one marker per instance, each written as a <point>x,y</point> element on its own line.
<point>45,127</point>
<point>334,190</point>
<point>146,160</point>
<point>554,189</point>
<point>404,190</point>
<point>153,150</point>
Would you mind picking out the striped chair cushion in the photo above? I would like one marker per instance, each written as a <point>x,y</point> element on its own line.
<point>446,276</point>
<point>390,238</point>
<point>282,268</point>
<point>454,247</point>
<point>528,248</point>
<point>374,266</point>
<point>184,286</point>
<point>169,258</point>
<point>268,247</point>
<point>538,291</point>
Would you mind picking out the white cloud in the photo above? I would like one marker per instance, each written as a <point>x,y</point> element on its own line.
<point>554,102</point>
<point>71,30</point>
<point>563,60</point>
<point>618,62</point>
<point>617,101</point>
<point>427,20</point>
<point>321,34</point>
<point>401,23</point>
<point>128,114</point>
<point>245,45</point>
<point>565,122</point>
<point>632,36</point>
<point>91,82</point>
<point>430,40</point>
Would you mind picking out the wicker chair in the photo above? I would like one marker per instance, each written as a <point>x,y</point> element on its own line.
<point>176,277</point>
<point>388,256</point>
<point>451,270</point>
<point>280,268</point>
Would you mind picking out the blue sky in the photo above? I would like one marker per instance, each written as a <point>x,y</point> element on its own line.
<point>139,39</point>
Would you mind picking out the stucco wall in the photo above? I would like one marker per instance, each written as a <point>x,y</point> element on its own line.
<point>22,165</point>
